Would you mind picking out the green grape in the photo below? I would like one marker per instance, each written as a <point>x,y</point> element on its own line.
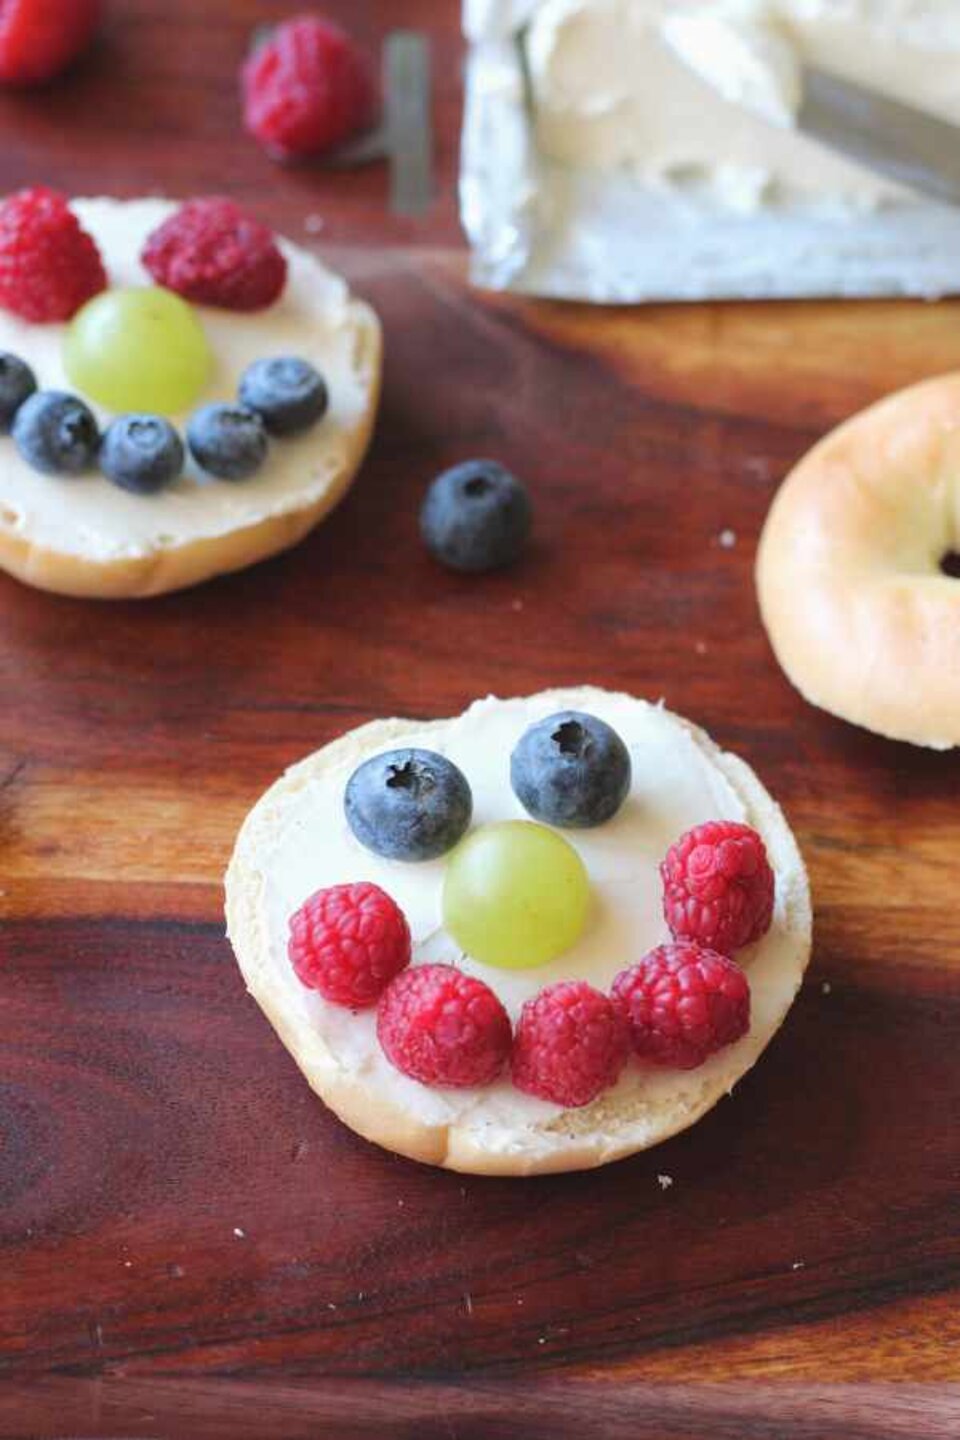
<point>515,894</point>
<point>139,349</point>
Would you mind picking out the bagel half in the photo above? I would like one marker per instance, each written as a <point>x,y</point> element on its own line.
<point>295,840</point>
<point>83,536</point>
<point>858,610</point>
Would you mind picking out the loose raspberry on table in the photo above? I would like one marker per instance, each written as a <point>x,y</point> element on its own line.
<point>212,252</point>
<point>40,38</point>
<point>443,1027</point>
<point>718,886</point>
<point>49,265</point>
<point>682,1002</point>
<point>348,942</point>
<point>570,1044</point>
<point>307,89</point>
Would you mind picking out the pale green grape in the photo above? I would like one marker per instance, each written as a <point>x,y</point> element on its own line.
<point>139,349</point>
<point>515,894</point>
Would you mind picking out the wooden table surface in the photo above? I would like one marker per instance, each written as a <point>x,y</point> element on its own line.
<point>191,1245</point>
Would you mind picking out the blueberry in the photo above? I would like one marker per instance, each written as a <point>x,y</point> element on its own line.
<point>56,433</point>
<point>287,393</point>
<point>141,453</point>
<point>408,804</point>
<point>476,516</point>
<point>571,770</point>
<point>228,441</point>
<point>17,383</point>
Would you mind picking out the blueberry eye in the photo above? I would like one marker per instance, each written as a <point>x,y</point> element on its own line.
<point>408,804</point>
<point>571,770</point>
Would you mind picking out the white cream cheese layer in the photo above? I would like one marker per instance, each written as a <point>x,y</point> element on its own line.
<point>86,515</point>
<point>611,92</point>
<point>747,60</point>
<point>676,784</point>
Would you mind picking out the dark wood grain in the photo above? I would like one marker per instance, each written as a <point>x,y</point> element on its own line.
<point>147,1112</point>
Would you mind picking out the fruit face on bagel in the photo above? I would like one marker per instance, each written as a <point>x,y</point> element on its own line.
<point>180,391</point>
<point>543,935</point>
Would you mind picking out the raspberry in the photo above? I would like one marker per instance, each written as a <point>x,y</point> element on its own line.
<point>49,266</point>
<point>349,942</point>
<point>682,1002</point>
<point>213,253</point>
<point>718,886</point>
<point>307,89</point>
<point>570,1044</point>
<point>40,38</point>
<point>443,1027</point>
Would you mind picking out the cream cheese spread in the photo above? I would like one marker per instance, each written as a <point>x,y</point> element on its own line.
<point>676,784</point>
<point>88,516</point>
<point>683,94</point>
<point>747,60</point>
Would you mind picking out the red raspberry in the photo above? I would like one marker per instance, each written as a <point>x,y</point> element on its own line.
<point>682,1002</point>
<point>213,253</point>
<point>443,1027</point>
<point>718,886</point>
<point>349,942</point>
<point>570,1044</point>
<point>49,266</point>
<point>40,38</point>
<point>307,89</point>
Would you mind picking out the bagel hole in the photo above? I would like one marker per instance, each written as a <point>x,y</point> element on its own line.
<point>950,564</point>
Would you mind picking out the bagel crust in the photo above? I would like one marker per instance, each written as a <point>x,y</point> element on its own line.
<point>641,1111</point>
<point>193,530</point>
<point>858,610</point>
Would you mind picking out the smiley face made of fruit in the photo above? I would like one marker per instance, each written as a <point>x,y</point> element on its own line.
<point>182,393</point>
<point>528,938</point>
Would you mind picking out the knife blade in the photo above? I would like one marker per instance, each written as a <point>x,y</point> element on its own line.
<point>910,146</point>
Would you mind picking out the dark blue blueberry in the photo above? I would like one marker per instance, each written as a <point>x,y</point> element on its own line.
<point>56,433</point>
<point>17,383</point>
<point>228,441</point>
<point>571,770</point>
<point>476,516</point>
<point>288,394</point>
<point>408,804</point>
<point>141,453</point>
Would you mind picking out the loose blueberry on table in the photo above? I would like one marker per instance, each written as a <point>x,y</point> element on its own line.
<point>476,517</point>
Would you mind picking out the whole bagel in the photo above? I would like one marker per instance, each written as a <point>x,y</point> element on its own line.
<point>858,608</point>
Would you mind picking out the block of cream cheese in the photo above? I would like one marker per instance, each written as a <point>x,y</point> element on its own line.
<point>657,156</point>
